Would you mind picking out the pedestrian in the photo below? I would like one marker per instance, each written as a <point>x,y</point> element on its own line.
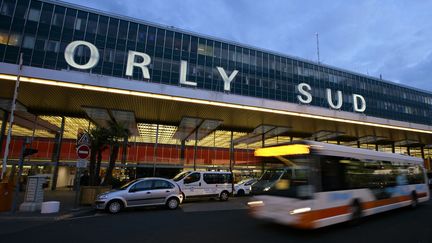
<point>84,180</point>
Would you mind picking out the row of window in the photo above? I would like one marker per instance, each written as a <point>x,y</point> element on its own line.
<point>346,173</point>
<point>209,178</point>
<point>51,27</point>
<point>92,23</point>
<point>152,185</point>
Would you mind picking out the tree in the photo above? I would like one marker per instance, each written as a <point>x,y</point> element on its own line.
<point>99,142</point>
<point>117,133</point>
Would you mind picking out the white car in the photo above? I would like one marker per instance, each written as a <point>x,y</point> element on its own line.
<point>244,187</point>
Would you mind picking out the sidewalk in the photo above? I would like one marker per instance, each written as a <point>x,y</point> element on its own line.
<point>67,210</point>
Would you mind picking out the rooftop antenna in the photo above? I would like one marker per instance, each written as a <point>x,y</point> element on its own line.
<point>317,43</point>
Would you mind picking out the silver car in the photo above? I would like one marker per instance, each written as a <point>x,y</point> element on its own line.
<point>141,192</point>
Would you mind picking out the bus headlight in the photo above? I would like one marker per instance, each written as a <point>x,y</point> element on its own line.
<point>300,210</point>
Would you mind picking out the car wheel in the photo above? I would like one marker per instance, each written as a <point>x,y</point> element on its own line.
<point>172,203</point>
<point>114,206</point>
<point>224,196</point>
<point>240,193</point>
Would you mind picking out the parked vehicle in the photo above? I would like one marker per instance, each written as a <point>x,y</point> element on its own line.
<point>198,184</point>
<point>244,187</point>
<point>141,192</point>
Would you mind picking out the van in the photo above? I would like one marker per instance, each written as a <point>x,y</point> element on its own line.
<point>199,184</point>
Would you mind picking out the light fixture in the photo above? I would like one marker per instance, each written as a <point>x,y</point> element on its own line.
<point>293,149</point>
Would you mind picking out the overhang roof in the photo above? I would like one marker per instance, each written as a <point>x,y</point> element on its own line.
<point>69,100</point>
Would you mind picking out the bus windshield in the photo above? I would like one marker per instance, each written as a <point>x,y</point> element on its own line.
<point>292,180</point>
<point>271,175</point>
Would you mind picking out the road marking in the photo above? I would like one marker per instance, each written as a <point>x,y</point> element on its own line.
<point>88,216</point>
<point>211,206</point>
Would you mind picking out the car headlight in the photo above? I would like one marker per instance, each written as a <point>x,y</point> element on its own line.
<point>266,189</point>
<point>103,196</point>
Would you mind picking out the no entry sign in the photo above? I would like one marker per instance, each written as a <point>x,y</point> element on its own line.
<point>83,151</point>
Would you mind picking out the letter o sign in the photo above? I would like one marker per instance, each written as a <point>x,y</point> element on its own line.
<point>70,53</point>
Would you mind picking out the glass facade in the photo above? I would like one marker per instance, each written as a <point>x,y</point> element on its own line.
<point>42,29</point>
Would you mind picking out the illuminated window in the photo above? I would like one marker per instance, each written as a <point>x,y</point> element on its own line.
<point>34,15</point>
<point>205,50</point>
<point>3,38</point>
<point>14,39</point>
<point>109,55</point>
<point>58,19</point>
<point>53,46</point>
<point>7,9</point>
<point>29,42</point>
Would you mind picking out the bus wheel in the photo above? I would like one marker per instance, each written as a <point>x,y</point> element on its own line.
<point>414,199</point>
<point>356,212</point>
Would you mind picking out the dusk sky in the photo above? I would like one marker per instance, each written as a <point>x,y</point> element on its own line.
<point>392,38</point>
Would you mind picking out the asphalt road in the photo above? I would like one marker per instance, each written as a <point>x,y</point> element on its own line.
<point>211,221</point>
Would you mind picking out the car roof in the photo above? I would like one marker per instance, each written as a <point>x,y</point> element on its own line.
<point>213,172</point>
<point>153,178</point>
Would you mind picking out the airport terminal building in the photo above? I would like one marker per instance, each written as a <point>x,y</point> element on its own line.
<point>187,99</point>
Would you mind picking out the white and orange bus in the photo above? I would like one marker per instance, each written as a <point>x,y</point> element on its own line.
<point>334,184</point>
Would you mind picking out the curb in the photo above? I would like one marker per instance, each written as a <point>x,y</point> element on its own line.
<point>40,217</point>
<point>74,214</point>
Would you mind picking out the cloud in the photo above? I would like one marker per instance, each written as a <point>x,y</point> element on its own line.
<point>372,37</point>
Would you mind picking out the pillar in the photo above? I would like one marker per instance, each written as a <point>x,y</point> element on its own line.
<point>182,149</point>
<point>263,145</point>
<point>195,148</point>
<point>3,129</point>
<point>56,155</point>
<point>155,150</point>
<point>231,164</point>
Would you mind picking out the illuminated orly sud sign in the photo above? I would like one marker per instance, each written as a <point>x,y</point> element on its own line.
<point>305,97</point>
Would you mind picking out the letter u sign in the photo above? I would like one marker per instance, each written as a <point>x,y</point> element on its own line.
<point>70,53</point>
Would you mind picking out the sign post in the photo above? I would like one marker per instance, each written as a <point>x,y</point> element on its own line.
<point>11,121</point>
<point>83,152</point>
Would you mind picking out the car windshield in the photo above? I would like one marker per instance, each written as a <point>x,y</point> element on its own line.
<point>244,181</point>
<point>125,186</point>
<point>180,176</point>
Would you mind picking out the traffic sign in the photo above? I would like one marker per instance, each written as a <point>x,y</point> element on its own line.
<point>83,151</point>
<point>81,163</point>
<point>83,139</point>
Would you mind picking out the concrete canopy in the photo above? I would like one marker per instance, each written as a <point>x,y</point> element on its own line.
<point>68,99</point>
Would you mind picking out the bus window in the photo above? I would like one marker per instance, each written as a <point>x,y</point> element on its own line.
<point>332,174</point>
